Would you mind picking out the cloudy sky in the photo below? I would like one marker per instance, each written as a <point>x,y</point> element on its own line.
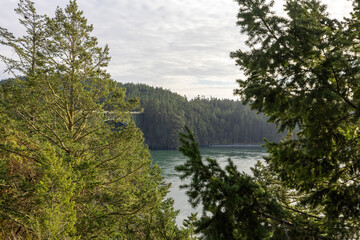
<point>181,45</point>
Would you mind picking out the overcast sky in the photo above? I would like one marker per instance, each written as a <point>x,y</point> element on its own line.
<point>181,45</point>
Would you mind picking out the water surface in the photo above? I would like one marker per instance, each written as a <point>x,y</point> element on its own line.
<point>244,158</point>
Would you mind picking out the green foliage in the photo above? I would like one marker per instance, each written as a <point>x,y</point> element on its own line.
<point>214,121</point>
<point>163,117</point>
<point>235,206</point>
<point>305,73</point>
<point>189,225</point>
<point>302,71</point>
<point>65,172</point>
<point>56,217</point>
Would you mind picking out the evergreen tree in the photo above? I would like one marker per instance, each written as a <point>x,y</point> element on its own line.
<point>302,71</point>
<point>214,121</point>
<point>66,173</point>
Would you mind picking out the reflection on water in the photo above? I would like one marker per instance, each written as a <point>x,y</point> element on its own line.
<point>244,157</point>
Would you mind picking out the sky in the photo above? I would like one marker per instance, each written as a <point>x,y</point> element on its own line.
<point>181,45</point>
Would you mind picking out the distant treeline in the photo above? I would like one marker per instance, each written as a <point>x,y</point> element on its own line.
<point>213,121</point>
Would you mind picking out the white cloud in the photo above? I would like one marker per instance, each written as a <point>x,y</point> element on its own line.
<point>182,45</point>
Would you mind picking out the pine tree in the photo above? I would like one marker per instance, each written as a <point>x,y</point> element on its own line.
<point>302,71</point>
<point>67,172</point>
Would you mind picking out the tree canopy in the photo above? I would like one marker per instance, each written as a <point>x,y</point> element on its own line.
<point>302,70</point>
<point>64,172</point>
<point>213,121</point>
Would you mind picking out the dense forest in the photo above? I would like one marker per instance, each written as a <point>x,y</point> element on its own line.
<point>213,121</point>
<point>67,173</point>
<point>162,114</point>
<point>64,172</point>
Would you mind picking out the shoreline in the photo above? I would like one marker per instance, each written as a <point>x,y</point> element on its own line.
<point>214,146</point>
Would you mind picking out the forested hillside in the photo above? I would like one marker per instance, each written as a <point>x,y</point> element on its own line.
<point>213,121</point>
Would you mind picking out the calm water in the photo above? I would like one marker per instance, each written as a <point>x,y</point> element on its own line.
<point>243,156</point>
